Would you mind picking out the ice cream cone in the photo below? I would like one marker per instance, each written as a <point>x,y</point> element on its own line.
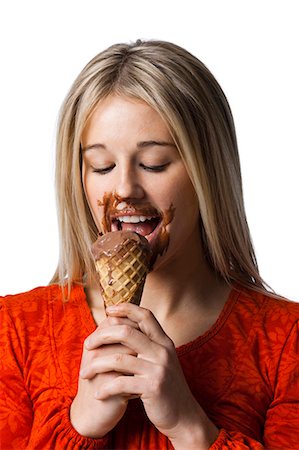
<point>122,261</point>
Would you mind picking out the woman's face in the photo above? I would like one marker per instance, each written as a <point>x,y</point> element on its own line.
<point>134,178</point>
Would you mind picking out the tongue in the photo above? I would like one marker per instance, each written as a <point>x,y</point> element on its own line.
<point>143,228</point>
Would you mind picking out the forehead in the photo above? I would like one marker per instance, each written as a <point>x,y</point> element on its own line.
<point>119,116</point>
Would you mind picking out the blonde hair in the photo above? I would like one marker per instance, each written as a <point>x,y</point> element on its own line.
<point>189,99</point>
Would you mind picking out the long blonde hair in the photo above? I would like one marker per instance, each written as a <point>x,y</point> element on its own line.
<point>189,99</point>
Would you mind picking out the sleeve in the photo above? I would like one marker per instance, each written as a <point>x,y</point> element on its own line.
<point>15,406</point>
<point>235,441</point>
<point>281,430</point>
<point>56,433</point>
<point>19,428</point>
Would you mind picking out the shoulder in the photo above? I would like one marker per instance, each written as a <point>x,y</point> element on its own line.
<point>34,304</point>
<point>41,292</point>
<point>268,305</point>
<point>29,318</point>
<point>31,301</point>
<point>271,316</point>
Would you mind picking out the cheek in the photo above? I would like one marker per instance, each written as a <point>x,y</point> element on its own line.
<point>186,196</point>
<point>93,193</point>
<point>89,187</point>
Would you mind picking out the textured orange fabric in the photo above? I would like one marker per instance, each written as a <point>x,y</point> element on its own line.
<point>244,372</point>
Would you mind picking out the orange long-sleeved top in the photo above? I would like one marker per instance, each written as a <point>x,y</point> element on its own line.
<point>244,372</point>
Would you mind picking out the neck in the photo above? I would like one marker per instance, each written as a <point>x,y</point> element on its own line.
<point>185,283</point>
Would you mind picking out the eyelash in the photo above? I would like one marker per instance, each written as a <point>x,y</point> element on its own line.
<point>104,170</point>
<point>159,168</point>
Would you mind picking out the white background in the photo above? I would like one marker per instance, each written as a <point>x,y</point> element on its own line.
<point>250,46</point>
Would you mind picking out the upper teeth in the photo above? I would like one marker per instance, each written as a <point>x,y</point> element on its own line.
<point>132,219</point>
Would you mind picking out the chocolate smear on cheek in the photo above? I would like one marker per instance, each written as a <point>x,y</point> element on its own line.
<point>162,241</point>
<point>109,202</point>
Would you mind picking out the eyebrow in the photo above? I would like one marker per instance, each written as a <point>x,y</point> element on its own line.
<point>140,145</point>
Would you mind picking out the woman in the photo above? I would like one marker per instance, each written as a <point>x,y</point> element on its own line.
<point>210,358</point>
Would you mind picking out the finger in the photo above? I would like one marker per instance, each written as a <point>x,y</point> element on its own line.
<point>110,320</point>
<point>90,341</point>
<point>145,320</point>
<point>109,349</point>
<point>103,351</point>
<point>122,385</point>
<point>120,334</point>
<point>118,362</point>
<point>138,342</point>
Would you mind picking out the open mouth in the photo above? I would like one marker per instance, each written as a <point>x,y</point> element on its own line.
<point>146,226</point>
<point>144,219</point>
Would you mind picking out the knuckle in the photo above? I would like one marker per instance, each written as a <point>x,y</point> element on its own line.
<point>165,357</point>
<point>92,366</point>
<point>102,392</point>
<point>87,342</point>
<point>91,340</point>
<point>115,387</point>
<point>162,371</point>
<point>118,358</point>
<point>86,372</point>
<point>126,331</point>
<point>118,383</point>
<point>92,355</point>
<point>147,314</point>
<point>114,320</point>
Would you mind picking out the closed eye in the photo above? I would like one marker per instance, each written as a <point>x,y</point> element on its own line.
<point>103,170</point>
<point>158,168</point>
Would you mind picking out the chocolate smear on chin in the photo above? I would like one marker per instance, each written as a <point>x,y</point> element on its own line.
<point>162,241</point>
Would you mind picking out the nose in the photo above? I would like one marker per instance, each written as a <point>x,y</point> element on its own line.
<point>128,185</point>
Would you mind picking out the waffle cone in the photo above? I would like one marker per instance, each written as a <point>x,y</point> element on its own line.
<point>122,271</point>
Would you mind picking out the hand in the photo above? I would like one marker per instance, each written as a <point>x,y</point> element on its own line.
<point>90,416</point>
<point>157,377</point>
